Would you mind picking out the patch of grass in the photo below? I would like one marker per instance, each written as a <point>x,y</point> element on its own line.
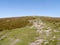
<point>4,32</point>
<point>25,35</point>
<point>54,23</point>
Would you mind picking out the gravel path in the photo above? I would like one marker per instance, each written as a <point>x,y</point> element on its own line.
<point>39,25</point>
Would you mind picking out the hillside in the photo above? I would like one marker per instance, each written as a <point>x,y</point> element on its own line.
<point>15,22</point>
<point>18,22</point>
<point>30,30</point>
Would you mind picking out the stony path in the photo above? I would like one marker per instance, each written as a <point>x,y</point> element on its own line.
<point>44,33</point>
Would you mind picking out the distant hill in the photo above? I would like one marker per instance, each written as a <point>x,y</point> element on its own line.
<point>18,22</point>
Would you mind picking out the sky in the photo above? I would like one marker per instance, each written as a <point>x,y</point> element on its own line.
<point>13,8</point>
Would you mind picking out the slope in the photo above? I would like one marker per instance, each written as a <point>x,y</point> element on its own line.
<point>32,30</point>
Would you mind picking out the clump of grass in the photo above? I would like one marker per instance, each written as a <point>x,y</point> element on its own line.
<point>25,35</point>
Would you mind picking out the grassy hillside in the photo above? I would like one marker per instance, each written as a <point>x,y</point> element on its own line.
<point>14,22</point>
<point>18,22</point>
<point>19,31</point>
<point>53,22</point>
<point>23,36</point>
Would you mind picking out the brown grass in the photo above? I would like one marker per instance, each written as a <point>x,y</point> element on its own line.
<point>14,22</point>
<point>18,22</point>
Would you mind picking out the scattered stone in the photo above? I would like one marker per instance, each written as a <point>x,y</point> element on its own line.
<point>46,42</point>
<point>47,32</point>
<point>54,37</point>
<point>39,25</point>
<point>56,31</point>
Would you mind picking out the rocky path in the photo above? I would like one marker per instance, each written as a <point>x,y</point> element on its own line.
<point>46,33</point>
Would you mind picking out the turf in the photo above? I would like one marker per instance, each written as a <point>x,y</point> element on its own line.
<point>16,29</point>
<point>25,36</point>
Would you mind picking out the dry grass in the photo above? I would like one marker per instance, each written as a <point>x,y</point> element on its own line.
<point>18,22</point>
<point>15,22</point>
